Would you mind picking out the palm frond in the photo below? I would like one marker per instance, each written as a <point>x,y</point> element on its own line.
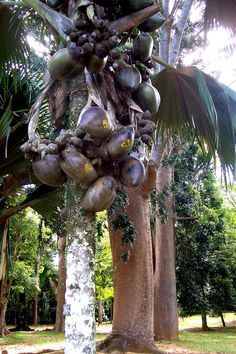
<point>220,13</point>
<point>191,98</point>
<point>13,44</point>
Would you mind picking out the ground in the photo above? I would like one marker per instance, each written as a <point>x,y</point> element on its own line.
<point>52,343</point>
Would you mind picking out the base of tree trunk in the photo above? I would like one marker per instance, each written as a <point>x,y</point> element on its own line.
<point>4,332</point>
<point>21,328</point>
<point>121,344</point>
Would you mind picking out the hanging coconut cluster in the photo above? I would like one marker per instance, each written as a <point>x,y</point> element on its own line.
<point>97,153</point>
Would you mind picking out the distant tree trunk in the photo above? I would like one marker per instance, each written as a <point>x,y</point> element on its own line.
<point>165,302</point>
<point>35,311</point>
<point>100,308</point>
<point>61,289</point>
<point>222,319</point>
<point>5,287</point>
<point>204,321</point>
<point>79,309</point>
<point>132,328</point>
<point>22,315</point>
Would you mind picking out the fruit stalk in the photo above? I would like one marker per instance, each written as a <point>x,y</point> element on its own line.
<point>125,23</point>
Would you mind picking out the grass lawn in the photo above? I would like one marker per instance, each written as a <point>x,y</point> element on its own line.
<point>220,339</point>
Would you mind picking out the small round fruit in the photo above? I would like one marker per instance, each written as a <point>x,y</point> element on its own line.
<point>96,122</point>
<point>120,143</point>
<point>142,47</point>
<point>132,171</point>
<point>128,77</point>
<point>100,194</point>
<point>48,170</point>
<point>77,166</point>
<point>147,97</point>
<point>62,67</point>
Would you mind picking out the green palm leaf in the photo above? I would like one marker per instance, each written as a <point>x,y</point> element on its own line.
<point>13,44</point>
<point>191,98</point>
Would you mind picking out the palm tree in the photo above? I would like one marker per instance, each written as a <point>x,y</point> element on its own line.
<point>184,92</point>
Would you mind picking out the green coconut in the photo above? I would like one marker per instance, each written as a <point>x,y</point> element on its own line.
<point>142,47</point>
<point>77,166</point>
<point>62,67</point>
<point>48,170</point>
<point>96,122</point>
<point>95,64</point>
<point>132,171</point>
<point>100,195</point>
<point>147,97</point>
<point>128,77</point>
<point>152,23</point>
<point>120,143</point>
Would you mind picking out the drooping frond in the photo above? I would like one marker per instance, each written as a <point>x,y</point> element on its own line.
<point>191,98</point>
<point>219,13</point>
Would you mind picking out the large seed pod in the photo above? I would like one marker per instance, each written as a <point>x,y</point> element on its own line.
<point>147,97</point>
<point>152,23</point>
<point>48,170</point>
<point>128,77</point>
<point>95,64</point>
<point>132,171</point>
<point>142,47</point>
<point>62,67</point>
<point>77,166</point>
<point>120,143</point>
<point>100,194</point>
<point>96,122</point>
<point>135,5</point>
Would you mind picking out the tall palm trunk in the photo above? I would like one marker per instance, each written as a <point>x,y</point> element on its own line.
<point>165,302</point>
<point>132,328</point>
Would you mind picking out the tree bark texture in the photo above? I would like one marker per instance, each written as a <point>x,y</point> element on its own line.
<point>79,309</point>
<point>61,289</point>
<point>5,287</point>
<point>132,328</point>
<point>165,302</point>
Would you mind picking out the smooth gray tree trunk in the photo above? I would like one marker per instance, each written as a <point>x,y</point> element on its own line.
<point>79,309</point>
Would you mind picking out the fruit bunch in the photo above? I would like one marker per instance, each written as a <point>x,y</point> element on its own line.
<point>97,153</point>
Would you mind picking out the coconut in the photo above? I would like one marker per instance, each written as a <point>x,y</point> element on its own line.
<point>135,5</point>
<point>147,97</point>
<point>48,170</point>
<point>142,47</point>
<point>62,67</point>
<point>152,23</point>
<point>100,194</point>
<point>95,64</point>
<point>128,77</point>
<point>77,166</point>
<point>132,171</point>
<point>120,143</point>
<point>96,122</point>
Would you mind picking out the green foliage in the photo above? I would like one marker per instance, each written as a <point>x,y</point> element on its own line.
<point>204,273</point>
